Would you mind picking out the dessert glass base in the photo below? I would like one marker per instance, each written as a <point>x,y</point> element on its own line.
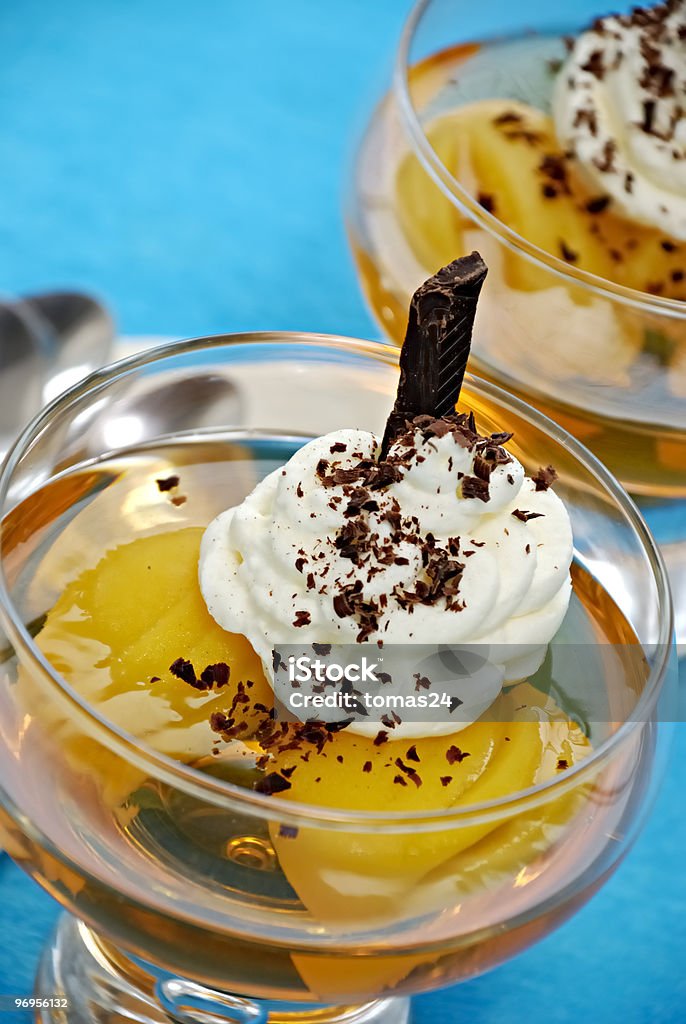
<point>184,877</point>
<point>99,983</point>
<point>605,359</point>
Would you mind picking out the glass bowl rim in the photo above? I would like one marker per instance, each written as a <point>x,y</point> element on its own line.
<point>191,780</point>
<point>456,193</point>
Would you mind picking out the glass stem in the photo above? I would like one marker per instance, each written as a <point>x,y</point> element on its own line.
<point>84,980</point>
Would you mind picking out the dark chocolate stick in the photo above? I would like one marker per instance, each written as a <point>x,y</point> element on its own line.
<point>434,355</point>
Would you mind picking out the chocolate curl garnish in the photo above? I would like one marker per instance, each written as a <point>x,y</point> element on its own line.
<point>434,355</point>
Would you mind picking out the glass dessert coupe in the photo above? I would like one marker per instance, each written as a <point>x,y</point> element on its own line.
<point>585,315</point>
<point>187,892</point>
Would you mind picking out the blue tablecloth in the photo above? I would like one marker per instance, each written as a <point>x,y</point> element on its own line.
<point>184,161</point>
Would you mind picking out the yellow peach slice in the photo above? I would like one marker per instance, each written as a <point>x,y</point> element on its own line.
<point>113,635</point>
<point>496,149</point>
<point>344,875</point>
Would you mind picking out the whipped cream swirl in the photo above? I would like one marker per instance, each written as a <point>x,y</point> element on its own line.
<point>619,107</point>
<point>446,542</point>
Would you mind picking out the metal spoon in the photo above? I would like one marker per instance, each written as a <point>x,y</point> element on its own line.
<point>83,331</point>
<point>47,343</point>
<point>25,341</point>
<point>145,411</point>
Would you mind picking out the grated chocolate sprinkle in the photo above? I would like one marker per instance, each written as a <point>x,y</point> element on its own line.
<point>454,755</point>
<point>167,483</point>
<point>215,675</point>
<point>183,669</point>
<point>544,478</point>
<point>272,783</point>
<point>524,516</point>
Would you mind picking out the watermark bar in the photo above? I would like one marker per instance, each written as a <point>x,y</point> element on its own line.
<point>12,1003</point>
<point>453,685</point>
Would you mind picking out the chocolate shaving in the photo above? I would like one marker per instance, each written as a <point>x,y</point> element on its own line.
<point>168,483</point>
<point>606,163</point>
<point>272,783</point>
<point>544,478</point>
<point>483,468</point>
<point>594,65</point>
<point>588,117</point>
<point>648,116</point>
<point>339,726</point>
<point>487,201</point>
<point>277,662</point>
<point>220,722</point>
<point>568,254</point>
<point>598,204</point>
<point>183,669</point>
<point>475,487</point>
<point>215,675</point>
<point>508,117</point>
<point>525,516</point>
<point>454,755</point>
<point>554,168</point>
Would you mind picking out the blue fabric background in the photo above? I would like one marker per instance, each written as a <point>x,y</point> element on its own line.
<point>184,161</point>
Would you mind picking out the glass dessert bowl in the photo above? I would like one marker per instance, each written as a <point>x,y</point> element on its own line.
<point>134,794</point>
<point>495,136</point>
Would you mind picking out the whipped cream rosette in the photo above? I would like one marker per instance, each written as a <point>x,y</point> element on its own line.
<point>435,533</point>
<point>620,107</point>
